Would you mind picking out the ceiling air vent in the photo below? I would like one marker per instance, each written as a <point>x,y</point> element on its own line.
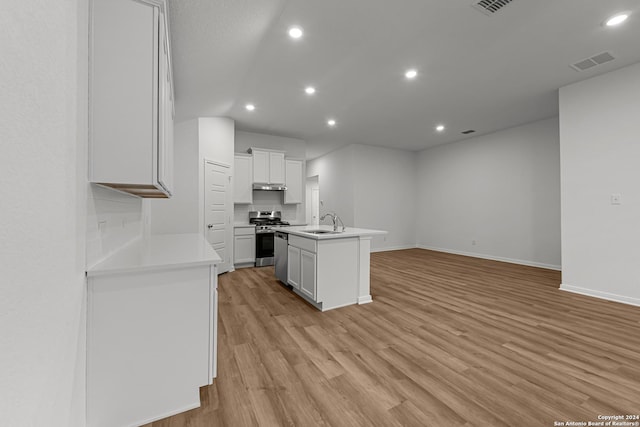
<point>598,59</point>
<point>467,132</point>
<point>489,7</point>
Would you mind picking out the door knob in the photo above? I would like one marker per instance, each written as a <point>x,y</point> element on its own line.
<point>209,226</point>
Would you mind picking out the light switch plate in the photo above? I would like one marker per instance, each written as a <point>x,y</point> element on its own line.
<point>616,199</point>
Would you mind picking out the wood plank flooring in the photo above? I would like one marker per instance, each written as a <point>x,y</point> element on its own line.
<point>448,341</point>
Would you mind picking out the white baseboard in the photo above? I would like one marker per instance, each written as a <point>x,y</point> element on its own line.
<point>244,265</point>
<point>326,307</point>
<point>365,300</point>
<point>393,248</point>
<point>185,408</point>
<point>494,258</point>
<point>599,294</point>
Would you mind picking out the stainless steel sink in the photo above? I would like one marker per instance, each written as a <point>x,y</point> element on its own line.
<point>321,232</point>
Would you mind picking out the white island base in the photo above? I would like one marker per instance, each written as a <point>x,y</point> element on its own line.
<point>330,270</point>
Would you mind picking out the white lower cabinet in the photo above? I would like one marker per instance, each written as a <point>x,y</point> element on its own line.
<point>151,343</point>
<point>308,274</point>
<point>302,266</point>
<point>294,267</point>
<point>244,246</point>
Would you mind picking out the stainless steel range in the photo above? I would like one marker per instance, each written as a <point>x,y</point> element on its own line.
<point>266,223</point>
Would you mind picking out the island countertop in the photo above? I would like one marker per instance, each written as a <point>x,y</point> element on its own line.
<point>304,231</point>
<point>157,252</point>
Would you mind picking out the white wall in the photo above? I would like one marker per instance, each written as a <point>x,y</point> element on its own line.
<point>114,219</point>
<point>196,140</point>
<point>500,190</point>
<point>600,152</point>
<point>385,195</point>
<point>271,200</point>
<point>335,173</point>
<point>43,166</point>
<point>311,184</point>
<point>370,187</point>
<point>216,136</point>
<point>179,214</point>
<point>296,148</point>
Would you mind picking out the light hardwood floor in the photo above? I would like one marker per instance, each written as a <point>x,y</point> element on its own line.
<point>448,341</point>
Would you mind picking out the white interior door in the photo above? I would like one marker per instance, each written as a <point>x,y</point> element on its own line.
<point>315,206</point>
<point>217,221</point>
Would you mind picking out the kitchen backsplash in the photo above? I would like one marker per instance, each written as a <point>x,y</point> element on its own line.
<point>269,201</point>
<point>113,220</point>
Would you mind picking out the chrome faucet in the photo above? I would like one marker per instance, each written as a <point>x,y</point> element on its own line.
<point>334,218</point>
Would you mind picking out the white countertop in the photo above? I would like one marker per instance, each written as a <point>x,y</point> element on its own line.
<point>348,232</point>
<point>245,225</point>
<point>157,252</point>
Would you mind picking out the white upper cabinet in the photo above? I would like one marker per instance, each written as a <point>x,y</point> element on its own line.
<point>276,168</point>
<point>130,97</point>
<point>243,179</point>
<point>166,115</point>
<point>293,181</point>
<point>260,166</point>
<point>268,166</point>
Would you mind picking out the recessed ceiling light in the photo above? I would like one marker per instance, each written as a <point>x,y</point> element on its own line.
<point>411,74</point>
<point>250,107</point>
<point>310,90</point>
<point>440,128</point>
<point>295,32</point>
<point>331,122</point>
<point>616,20</point>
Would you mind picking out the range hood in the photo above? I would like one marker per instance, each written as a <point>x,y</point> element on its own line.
<point>269,187</point>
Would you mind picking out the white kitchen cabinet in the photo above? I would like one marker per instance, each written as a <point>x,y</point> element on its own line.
<point>244,246</point>
<point>166,115</point>
<point>260,166</point>
<point>243,179</point>
<point>294,266</point>
<point>293,181</point>
<point>276,168</point>
<point>302,265</point>
<point>308,274</point>
<point>151,330</point>
<point>268,166</point>
<point>130,97</point>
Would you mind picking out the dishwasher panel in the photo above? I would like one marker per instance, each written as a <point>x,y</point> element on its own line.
<point>281,255</point>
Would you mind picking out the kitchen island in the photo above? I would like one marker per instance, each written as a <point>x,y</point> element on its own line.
<point>330,269</point>
<point>151,329</point>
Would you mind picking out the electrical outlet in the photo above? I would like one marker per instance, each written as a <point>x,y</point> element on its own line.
<point>473,243</point>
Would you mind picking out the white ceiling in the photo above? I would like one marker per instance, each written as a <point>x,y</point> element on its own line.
<point>476,71</point>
